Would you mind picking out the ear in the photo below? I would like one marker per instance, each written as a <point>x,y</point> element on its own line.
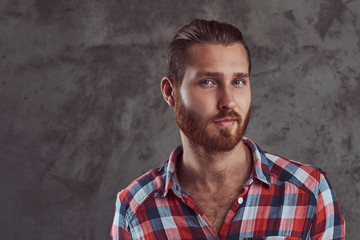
<point>167,90</point>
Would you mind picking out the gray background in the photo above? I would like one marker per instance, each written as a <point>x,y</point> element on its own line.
<point>81,113</point>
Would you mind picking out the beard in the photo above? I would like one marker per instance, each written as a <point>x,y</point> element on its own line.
<point>202,134</point>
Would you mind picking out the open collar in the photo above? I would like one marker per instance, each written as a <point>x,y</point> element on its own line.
<point>261,170</point>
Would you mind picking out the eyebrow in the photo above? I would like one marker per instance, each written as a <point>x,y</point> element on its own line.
<point>219,74</point>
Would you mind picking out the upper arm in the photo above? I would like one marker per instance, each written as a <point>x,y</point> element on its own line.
<point>329,223</point>
<point>119,229</point>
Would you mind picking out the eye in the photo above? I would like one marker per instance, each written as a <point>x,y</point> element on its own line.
<point>207,82</point>
<point>238,82</point>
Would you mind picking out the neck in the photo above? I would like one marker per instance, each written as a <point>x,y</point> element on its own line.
<point>206,171</point>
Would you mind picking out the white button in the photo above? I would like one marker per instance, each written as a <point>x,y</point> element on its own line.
<point>240,200</point>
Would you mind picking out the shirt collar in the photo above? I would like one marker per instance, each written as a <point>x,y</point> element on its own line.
<point>171,181</point>
<point>261,168</point>
<point>262,165</point>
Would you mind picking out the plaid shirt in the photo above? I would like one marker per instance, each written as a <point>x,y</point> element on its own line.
<point>282,199</point>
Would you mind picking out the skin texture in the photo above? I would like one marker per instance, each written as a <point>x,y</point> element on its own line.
<point>214,97</point>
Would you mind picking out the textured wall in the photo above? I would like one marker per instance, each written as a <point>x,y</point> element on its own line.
<point>81,113</point>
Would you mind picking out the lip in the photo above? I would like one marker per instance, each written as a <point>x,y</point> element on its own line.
<point>226,122</point>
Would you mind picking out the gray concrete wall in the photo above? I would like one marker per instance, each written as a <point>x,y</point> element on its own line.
<point>81,113</point>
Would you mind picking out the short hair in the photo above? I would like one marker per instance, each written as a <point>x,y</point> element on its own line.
<point>199,31</point>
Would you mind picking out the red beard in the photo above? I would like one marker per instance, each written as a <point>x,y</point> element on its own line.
<point>199,133</point>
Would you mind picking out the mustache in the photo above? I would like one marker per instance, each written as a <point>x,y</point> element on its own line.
<point>224,114</point>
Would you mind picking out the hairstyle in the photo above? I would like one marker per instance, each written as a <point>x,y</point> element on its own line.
<point>199,31</point>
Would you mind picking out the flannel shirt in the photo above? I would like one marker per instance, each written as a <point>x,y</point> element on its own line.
<point>282,199</point>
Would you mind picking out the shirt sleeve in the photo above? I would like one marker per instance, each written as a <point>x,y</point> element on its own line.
<point>119,229</point>
<point>329,223</point>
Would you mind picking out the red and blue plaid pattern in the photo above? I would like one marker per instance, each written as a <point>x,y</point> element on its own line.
<point>283,199</point>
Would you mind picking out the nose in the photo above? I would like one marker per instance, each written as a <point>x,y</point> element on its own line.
<point>226,100</point>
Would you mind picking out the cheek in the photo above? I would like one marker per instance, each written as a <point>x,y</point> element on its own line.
<point>202,104</point>
<point>193,99</point>
<point>243,102</point>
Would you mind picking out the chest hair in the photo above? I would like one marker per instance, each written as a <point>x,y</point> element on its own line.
<point>216,205</point>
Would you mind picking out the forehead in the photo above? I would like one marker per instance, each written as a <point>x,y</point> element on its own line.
<point>218,57</point>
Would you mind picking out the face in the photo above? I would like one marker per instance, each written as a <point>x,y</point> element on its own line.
<point>212,105</point>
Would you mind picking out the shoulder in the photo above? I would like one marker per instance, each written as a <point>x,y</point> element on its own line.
<point>130,198</point>
<point>301,175</point>
<point>328,222</point>
<point>317,195</point>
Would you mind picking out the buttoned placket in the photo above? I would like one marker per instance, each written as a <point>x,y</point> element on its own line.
<point>238,203</point>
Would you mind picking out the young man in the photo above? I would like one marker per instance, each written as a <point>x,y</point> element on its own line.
<point>219,184</point>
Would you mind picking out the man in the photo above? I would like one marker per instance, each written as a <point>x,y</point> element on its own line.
<point>219,184</point>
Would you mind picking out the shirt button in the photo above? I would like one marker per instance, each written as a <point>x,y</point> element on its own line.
<point>240,200</point>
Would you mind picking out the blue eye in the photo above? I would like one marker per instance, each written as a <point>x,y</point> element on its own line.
<point>238,82</point>
<point>206,82</point>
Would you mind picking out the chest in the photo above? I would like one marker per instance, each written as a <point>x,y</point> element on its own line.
<point>176,218</point>
<point>216,206</point>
